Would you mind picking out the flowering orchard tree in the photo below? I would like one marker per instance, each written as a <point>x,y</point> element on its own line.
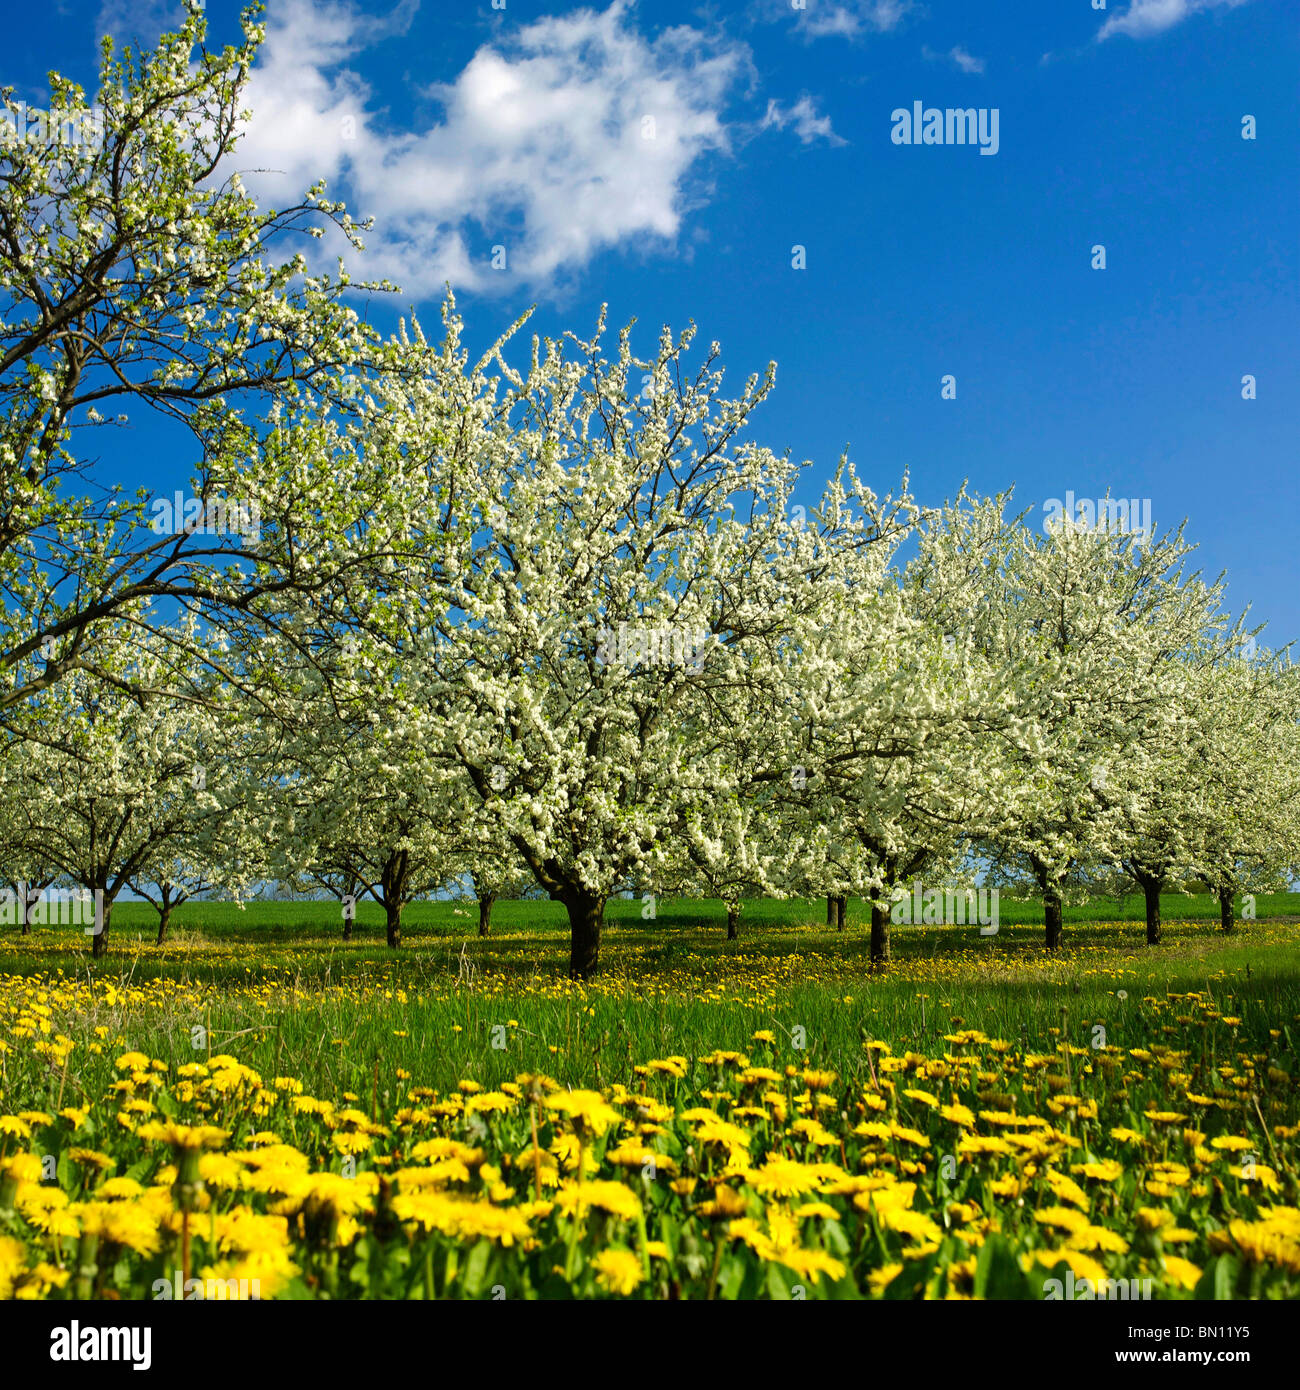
<point>351,799</point>
<point>613,561</point>
<point>760,832</point>
<point>178,879</point>
<point>487,871</point>
<point>1082,631</point>
<point>896,733</point>
<point>22,871</point>
<point>338,881</point>
<point>1159,795</point>
<point>725,851</point>
<point>728,844</point>
<point>1245,776</point>
<point>1155,795</point>
<point>370,813</point>
<point>117,781</point>
<point>137,273</point>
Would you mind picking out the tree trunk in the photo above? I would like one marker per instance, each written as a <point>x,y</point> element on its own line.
<point>879,933</point>
<point>28,895</point>
<point>841,912</point>
<point>1151,892</point>
<point>99,942</point>
<point>485,901</point>
<point>830,911</point>
<point>393,884</point>
<point>348,905</point>
<point>1053,916</point>
<point>733,921</point>
<point>164,921</point>
<point>586,914</point>
<point>1225,909</point>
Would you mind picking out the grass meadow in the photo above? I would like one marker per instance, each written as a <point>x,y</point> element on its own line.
<point>257,1105</point>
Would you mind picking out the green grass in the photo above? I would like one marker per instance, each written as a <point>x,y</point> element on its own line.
<point>259,920</point>
<point>1109,1036</point>
<point>277,986</point>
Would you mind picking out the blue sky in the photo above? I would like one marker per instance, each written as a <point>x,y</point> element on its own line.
<point>460,128</point>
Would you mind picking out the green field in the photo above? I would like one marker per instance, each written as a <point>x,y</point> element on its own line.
<point>453,918</point>
<point>279,974</point>
<point>766,1117</point>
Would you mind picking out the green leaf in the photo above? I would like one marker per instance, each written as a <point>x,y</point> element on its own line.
<point>476,1269</point>
<point>731,1276</point>
<point>778,1284</point>
<point>1219,1281</point>
<point>998,1273</point>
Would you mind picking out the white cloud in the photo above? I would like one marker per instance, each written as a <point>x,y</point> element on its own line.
<point>1146,17</point>
<point>558,139</point>
<point>957,56</point>
<point>848,19</point>
<point>137,21</point>
<point>965,61</point>
<point>808,125</point>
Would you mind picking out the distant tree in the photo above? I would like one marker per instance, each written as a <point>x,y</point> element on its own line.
<point>1244,776</point>
<point>1082,630</point>
<point>134,777</point>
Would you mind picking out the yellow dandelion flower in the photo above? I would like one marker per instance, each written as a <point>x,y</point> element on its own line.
<point>618,1271</point>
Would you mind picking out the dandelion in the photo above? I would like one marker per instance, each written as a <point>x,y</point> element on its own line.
<point>587,1110</point>
<point>618,1271</point>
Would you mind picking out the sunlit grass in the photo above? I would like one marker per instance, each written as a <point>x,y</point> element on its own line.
<point>879,1092</point>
